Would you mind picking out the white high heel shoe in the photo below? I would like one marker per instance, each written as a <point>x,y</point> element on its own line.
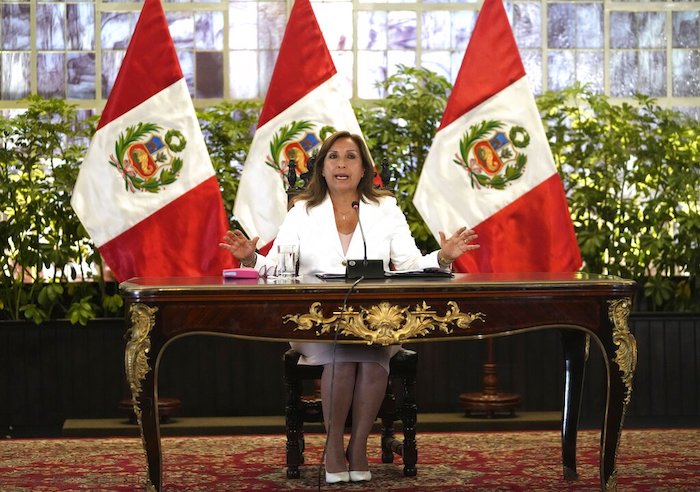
<point>360,476</point>
<point>337,477</point>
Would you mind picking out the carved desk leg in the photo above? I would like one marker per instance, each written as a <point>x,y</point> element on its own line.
<point>575,346</point>
<point>621,354</point>
<point>141,378</point>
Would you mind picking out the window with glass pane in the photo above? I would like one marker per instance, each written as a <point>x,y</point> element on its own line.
<point>227,48</point>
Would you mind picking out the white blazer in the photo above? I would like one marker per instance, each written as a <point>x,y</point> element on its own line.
<point>386,231</point>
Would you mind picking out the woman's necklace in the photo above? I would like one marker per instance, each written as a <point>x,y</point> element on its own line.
<point>343,215</point>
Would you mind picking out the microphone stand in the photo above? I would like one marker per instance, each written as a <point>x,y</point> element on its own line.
<point>368,269</point>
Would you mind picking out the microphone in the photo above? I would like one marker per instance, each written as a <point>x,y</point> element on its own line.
<point>363,268</point>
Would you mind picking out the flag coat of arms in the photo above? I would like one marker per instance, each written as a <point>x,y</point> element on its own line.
<point>147,192</point>
<point>490,166</point>
<point>303,105</point>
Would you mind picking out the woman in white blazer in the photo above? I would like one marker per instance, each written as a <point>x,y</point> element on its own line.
<point>323,222</point>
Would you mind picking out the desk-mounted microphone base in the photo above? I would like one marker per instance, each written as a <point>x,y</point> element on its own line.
<point>364,268</point>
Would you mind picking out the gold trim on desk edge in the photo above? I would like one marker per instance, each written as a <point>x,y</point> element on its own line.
<point>384,324</point>
<point>143,319</point>
<point>626,359</point>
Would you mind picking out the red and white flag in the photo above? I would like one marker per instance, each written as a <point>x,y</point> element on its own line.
<point>304,104</point>
<point>490,166</point>
<point>147,191</point>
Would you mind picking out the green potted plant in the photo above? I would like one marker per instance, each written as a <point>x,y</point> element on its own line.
<point>49,267</point>
<point>228,130</point>
<point>631,174</point>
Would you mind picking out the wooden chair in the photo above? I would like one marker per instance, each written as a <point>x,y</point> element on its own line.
<point>301,409</point>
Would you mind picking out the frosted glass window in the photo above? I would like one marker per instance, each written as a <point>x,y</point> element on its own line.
<point>50,19</point>
<point>462,26</point>
<point>228,48</point>
<point>686,73</point>
<point>590,69</point>
<point>436,30</point>
<point>243,25</point>
<point>637,30</point>
<point>343,61</point>
<point>527,25</point>
<point>111,61</point>
<point>210,75</point>
<point>686,29</point>
<point>209,31</point>
<point>439,62</point>
<point>15,27</point>
<point>16,75</point>
<point>272,20</point>
<point>243,74</point>
<point>575,25</point>
<point>589,25</point>
<point>371,70</point>
<point>266,62</point>
<point>401,27</point>
<point>186,59</point>
<point>81,76</point>
<point>117,28</point>
<point>561,69</point>
<point>81,26</point>
<point>634,72</point>
<point>181,25</point>
<point>335,20</point>
<point>532,61</point>
<point>395,58</point>
<point>51,74</point>
<point>561,25</point>
<point>371,30</point>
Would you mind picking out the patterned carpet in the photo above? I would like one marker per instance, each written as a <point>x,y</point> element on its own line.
<point>648,460</point>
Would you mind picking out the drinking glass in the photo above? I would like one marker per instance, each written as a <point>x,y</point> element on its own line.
<point>287,260</point>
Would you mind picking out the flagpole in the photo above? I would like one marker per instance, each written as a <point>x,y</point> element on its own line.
<point>490,401</point>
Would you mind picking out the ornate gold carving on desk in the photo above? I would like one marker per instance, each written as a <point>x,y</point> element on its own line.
<point>384,324</point>
<point>135,356</point>
<point>626,353</point>
<point>626,359</point>
<point>143,318</point>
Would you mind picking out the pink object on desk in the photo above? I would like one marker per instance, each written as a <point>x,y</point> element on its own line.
<point>240,273</point>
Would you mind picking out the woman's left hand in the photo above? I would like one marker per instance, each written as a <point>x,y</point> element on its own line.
<point>457,244</point>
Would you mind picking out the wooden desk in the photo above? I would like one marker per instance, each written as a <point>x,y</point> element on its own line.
<point>583,307</point>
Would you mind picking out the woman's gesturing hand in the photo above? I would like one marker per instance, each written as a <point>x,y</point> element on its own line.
<point>457,244</point>
<point>239,246</point>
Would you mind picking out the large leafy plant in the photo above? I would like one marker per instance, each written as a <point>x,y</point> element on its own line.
<point>48,267</point>
<point>228,130</point>
<point>631,173</point>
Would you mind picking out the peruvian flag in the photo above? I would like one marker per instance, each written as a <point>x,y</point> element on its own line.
<point>303,105</point>
<point>490,166</point>
<point>147,192</point>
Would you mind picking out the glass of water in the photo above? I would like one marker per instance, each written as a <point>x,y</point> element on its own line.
<point>287,260</point>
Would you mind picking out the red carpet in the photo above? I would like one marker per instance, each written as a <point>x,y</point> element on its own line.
<point>648,460</point>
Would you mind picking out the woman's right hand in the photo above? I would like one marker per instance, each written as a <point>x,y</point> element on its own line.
<point>239,246</point>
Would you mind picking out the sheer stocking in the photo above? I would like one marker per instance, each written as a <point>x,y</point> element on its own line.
<point>343,386</point>
<point>370,388</point>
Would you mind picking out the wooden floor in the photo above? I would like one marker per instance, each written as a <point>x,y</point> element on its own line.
<point>430,422</point>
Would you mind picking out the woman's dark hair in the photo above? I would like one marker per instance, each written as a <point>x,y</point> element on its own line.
<point>317,188</point>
